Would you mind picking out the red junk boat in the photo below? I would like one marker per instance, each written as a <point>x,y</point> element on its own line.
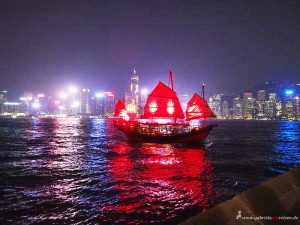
<point>163,120</point>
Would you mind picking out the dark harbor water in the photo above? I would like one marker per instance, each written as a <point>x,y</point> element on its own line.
<point>82,171</point>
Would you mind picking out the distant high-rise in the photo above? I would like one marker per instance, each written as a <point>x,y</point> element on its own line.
<point>96,105</point>
<point>108,104</point>
<point>225,110</point>
<point>215,104</point>
<point>85,101</point>
<point>297,102</point>
<point>249,108</point>
<point>278,109</point>
<point>237,108</point>
<point>289,106</point>
<point>261,95</point>
<point>132,99</point>
<point>183,99</point>
<point>270,107</point>
<point>3,98</point>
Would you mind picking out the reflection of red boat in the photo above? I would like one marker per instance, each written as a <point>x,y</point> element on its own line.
<point>162,184</point>
<point>164,120</point>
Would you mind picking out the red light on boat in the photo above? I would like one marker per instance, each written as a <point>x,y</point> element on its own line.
<point>170,108</point>
<point>153,107</point>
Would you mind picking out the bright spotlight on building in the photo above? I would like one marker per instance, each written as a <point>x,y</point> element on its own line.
<point>61,107</point>
<point>75,104</point>
<point>73,90</point>
<point>144,91</point>
<point>36,105</point>
<point>289,92</point>
<point>99,95</point>
<point>63,95</point>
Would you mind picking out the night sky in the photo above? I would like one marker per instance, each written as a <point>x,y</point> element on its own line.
<point>229,45</point>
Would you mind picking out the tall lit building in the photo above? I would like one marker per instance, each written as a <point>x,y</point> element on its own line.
<point>225,110</point>
<point>261,95</point>
<point>297,102</point>
<point>183,99</point>
<point>73,100</point>
<point>260,109</point>
<point>26,101</point>
<point>271,106</point>
<point>3,98</point>
<point>215,104</point>
<point>132,99</point>
<point>279,109</point>
<point>237,108</point>
<point>249,108</point>
<point>103,104</point>
<point>96,105</point>
<point>108,104</point>
<point>85,101</point>
<point>289,106</point>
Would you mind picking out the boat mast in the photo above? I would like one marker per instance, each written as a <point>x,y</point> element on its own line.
<point>171,79</point>
<point>203,87</point>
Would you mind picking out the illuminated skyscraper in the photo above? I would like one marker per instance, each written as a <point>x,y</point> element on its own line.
<point>183,99</point>
<point>278,109</point>
<point>271,106</point>
<point>249,108</point>
<point>289,109</point>
<point>3,98</point>
<point>297,101</point>
<point>85,101</point>
<point>261,95</point>
<point>108,104</point>
<point>225,110</point>
<point>132,99</point>
<point>237,108</point>
<point>215,104</point>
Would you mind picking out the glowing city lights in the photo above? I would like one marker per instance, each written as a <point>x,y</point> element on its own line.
<point>73,89</point>
<point>144,91</point>
<point>36,105</point>
<point>289,92</point>
<point>63,95</point>
<point>41,95</point>
<point>99,95</point>
<point>12,103</point>
<point>75,104</point>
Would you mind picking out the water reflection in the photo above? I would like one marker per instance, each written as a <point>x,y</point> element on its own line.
<point>159,181</point>
<point>286,147</point>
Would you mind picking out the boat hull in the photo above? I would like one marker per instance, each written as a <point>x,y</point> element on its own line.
<point>194,135</point>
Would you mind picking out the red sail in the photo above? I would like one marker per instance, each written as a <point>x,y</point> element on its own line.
<point>163,103</point>
<point>120,106</point>
<point>198,108</point>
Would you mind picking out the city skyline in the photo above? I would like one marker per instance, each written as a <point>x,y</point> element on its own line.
<point>225,45</point>
<point>272,100</point>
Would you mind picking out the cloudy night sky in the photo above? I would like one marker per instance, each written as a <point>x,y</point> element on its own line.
<point>229,45</point>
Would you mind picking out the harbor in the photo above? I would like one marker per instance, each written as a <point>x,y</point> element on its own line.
<point>83,171</point>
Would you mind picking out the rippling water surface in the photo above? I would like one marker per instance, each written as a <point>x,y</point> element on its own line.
<point>82,171</point>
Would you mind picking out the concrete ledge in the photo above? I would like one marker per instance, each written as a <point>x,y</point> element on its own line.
<point>279,196</point>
